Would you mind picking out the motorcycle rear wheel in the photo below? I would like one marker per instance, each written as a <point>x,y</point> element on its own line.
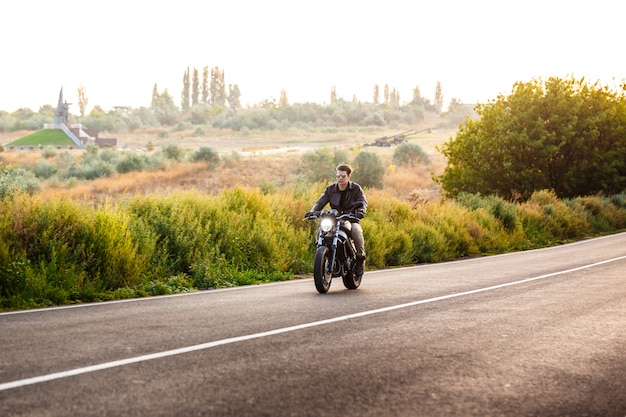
<point>322,274</point>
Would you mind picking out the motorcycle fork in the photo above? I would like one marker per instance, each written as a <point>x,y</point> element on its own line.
<point>333,253</point>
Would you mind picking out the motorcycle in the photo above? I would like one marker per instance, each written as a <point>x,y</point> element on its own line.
<point>336,254</point>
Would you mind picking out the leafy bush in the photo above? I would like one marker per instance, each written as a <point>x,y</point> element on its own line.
<point>320,165</point>
<point>89,169</point>
<point>129,162</point>
<point>173,152</point>
<point>44,169</point>
<point>369,170</point>
<point>16,180</point>
<point>63,251</point>
<point>410,154</point>
<point>204,153</point>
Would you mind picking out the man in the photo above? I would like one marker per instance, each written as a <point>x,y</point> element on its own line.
<point>346,196</point>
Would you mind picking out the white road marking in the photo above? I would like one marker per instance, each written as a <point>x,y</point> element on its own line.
<point>108,365</point>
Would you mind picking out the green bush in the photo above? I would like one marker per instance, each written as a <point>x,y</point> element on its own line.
<point>129,162</point>
<point>60,250</point>
<point>17,180</point>
<point>410,154</point>
<point>206,154</point>
<point>369,170</point>
<point>319,166</point>
<point>65,251</point>
<point>173,152</point>
<point>44,169</point>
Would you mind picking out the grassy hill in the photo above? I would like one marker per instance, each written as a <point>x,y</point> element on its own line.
<point>45,137</point>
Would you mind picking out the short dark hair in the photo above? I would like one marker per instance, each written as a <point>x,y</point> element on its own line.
<point>345,167</point>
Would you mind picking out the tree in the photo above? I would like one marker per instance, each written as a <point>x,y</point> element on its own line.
<point>333,95</point>
<point>82,99</point>
<point>195,88</point>
<point>417,97</point>
<point>386,94</point>
<point>284,101</point>
<point>184,95</point>
<point>394,98</point>
<point>234,97</point>
<point>164,108</point>
<point>217,87</point>
<point>566,136</point>
<point>155,96</point>
<point>438,101</point>
<point>376,94</point>
<point>205,85</point>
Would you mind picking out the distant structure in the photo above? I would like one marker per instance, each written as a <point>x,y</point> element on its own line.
<point>79,134</point>
<point>63,109</point>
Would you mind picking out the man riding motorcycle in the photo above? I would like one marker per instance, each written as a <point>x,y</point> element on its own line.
<point>346,196</point>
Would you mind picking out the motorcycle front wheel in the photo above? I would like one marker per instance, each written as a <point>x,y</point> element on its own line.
<point>322,274</point>
<point>350,280</point>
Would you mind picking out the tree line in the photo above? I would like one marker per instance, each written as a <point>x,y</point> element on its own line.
<point>206,99</point>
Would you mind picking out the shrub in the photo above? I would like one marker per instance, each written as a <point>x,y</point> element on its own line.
<point>320,165</point>
<point>173,152</point>
<point>16,180</point>
<point>129,162</point>
<point>410,154</point>
<point>204,153</point>
<point>368,170</point>
<point>44,169</point>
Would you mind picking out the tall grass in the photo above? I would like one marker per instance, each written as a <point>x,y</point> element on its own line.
<point>58,251</point>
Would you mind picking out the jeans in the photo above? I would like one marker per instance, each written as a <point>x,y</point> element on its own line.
<point>359,240</point>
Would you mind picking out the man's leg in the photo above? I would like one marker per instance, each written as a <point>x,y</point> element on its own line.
<point>359,243</point>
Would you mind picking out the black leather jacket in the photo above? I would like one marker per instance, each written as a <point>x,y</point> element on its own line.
<point>354,200</point>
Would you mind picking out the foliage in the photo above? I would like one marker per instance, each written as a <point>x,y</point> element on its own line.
<point>206,154</point>
<point>563,135</point>
<point>17,180</point>
<point>410,154</point>
<point>369,170</point>
<point>65,251</point>
<point>320,165</point>
<point>173,152</point>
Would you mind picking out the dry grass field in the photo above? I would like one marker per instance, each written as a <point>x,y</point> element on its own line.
<point>267,159</point>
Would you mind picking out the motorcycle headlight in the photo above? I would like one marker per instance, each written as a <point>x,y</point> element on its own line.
<point>326,225</point>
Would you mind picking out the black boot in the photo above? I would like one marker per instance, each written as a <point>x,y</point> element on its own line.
<point>359,269</point>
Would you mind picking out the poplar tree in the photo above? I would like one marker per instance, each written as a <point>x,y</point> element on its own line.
<point>155,97</point>
<point>234,96</point>
<point>184,95</point>
<point>82,99</point>
<point>376,94</point>
<point>333,95</point>
<point>283,102</point>
<point>438,101</point>
<point>205,84</point>
<point>195,88</point>
<point>217,87</point>
<point>417,97</point>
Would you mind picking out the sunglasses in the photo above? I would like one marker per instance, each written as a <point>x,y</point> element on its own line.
<point>341,175</point>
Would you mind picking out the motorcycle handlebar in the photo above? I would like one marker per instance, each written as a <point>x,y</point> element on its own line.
<point>315,214</point>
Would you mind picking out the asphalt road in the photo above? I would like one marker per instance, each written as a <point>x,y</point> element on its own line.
<point>537,333</point>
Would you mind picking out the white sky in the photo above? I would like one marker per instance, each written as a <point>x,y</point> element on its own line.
<point>118,49</point>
